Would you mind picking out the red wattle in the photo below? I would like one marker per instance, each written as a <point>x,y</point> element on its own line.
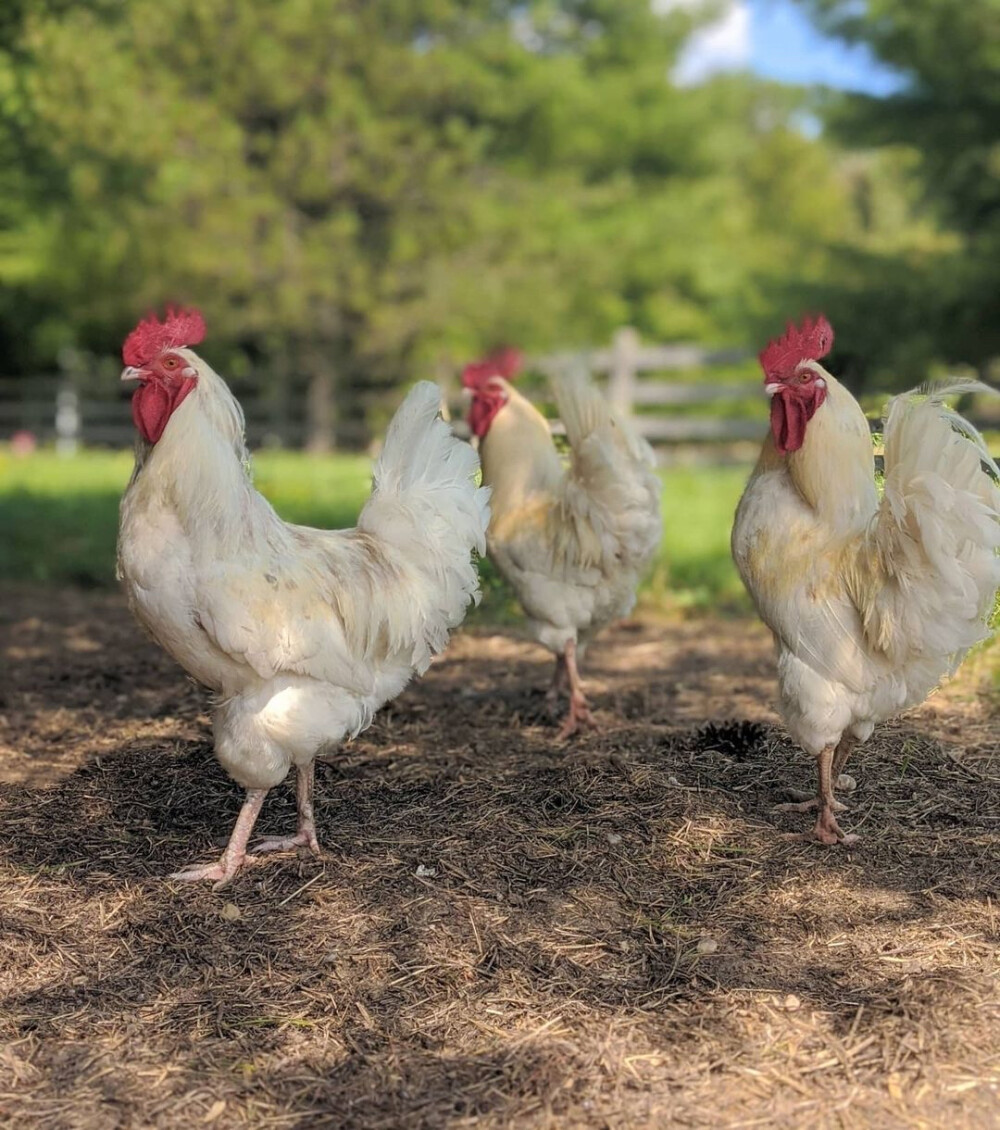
<point>482,410</point>
<point>791,410</point>
<point>153,404</point>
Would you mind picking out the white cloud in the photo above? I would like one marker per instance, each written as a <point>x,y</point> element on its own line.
<point>720,46</point>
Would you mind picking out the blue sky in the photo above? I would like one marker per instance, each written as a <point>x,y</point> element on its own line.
<point>774,39</point>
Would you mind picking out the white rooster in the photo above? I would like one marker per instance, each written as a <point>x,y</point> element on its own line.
<point>573,541</point>
<point>871,601</point>
<point>301,634</point>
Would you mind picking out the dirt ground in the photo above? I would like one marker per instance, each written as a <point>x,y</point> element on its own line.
<point>502,931</point>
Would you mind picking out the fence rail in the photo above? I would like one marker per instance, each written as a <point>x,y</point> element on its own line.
<point>51,408</point>
<point>621,367</point>
<point>632,373</point>
<point>664,411</point>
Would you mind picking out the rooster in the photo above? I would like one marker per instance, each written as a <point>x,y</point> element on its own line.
<point>574,541</point>
<point>301,634</point>
<point>872,601</point>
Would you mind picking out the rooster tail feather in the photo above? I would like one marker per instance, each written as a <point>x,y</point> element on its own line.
<point>584,412</point>
<point>429,515</point>
<point>933,569</point>
<point>612,491</point>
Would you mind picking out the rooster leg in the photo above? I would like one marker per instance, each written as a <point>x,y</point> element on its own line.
<point>579,709</point>
<point>827,830</point>
<point>805,803</point>
<point>559,679</point>
<point>306,835</point>
<point>235,854</point>
<point>845,747</point>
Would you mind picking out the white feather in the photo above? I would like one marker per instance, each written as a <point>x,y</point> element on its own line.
<point>872,602</point>
<point>302,633</point>
<point>573,542</point>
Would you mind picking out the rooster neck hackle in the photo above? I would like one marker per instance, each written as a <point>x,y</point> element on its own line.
<point>834,469</point>
<point>200,466</point>
<point>518,455</point>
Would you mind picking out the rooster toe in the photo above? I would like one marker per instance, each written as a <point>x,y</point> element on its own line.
<point>222,874</point>
<point>302,839</point>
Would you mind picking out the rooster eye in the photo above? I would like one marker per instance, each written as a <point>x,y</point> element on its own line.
<point>170,362</point>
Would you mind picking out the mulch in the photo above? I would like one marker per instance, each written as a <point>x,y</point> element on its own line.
<point>502,930</point>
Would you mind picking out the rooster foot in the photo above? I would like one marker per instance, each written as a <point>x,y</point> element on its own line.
<point>235,855</point>
<point>222,872</point>
<point>305,837</point>
<point>805,803</point>
<point>579,715</point>
<point>827,831</point>
<point>846,839</point>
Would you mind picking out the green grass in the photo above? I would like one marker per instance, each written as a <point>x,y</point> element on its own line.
<point>694,566</point>
<point>59,516</point>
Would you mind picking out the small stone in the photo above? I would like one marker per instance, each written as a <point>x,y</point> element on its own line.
<point>614,839</point>
<point>673,782</point>
<point>231,912</point>
<point>846,783</point>
<point>425,872</point>
<point>791,1003</point>
<point>707,945</point>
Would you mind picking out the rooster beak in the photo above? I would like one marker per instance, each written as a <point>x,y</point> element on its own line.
<point>772,388</point>
<point>131,373</point>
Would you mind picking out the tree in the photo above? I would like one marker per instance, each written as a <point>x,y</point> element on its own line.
<point>355,189</point>
<point>947,112</point>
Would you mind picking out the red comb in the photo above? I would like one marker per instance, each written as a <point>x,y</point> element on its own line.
<point>808,342</point>
<point>504,363</point>
<point>150,337</point>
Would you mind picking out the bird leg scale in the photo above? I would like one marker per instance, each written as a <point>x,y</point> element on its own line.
<point>306,835</point>
<point>579,709</point>
<point>235,854</point>
<point>826,831</point>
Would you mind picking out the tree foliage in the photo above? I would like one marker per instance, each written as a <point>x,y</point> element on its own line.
<point>354,190</point>
<point>944,296</point>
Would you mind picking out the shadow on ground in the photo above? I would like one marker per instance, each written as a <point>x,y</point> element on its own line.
<point>502,931</point>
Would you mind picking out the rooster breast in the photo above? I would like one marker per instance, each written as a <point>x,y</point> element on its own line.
<point>156,565</point>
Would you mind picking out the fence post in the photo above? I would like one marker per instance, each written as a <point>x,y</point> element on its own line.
<point>67,421</point>
<point>624,361</point>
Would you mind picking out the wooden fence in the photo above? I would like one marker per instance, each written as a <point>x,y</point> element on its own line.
<point>53,411</point>
<point>621,367</point>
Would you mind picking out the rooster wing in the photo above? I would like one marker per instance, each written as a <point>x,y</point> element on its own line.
<point>334,605</point>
